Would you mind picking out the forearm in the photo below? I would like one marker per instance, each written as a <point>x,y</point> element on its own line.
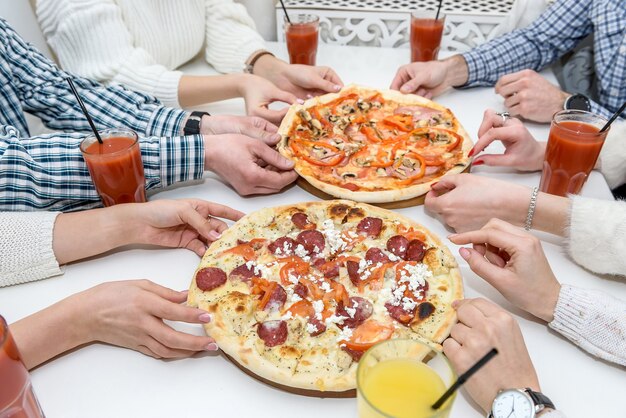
<point>197,90</point>
<point>49,332</point>
<point>457,73</point>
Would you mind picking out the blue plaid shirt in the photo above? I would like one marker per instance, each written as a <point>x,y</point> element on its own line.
<point>48,171</point>
<point>557,31</point>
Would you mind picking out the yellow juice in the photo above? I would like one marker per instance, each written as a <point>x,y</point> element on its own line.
<point>401,389</point>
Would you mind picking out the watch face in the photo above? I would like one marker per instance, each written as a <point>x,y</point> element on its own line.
<point>513,404</point>
<point>578,102</point>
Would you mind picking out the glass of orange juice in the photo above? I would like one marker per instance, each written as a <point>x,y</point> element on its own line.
<point>402,379</point>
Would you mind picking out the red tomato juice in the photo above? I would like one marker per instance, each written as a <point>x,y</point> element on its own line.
<point>302,39</point>
<point>572,150</point>
<point>117,170</point>
<point>16,395</point>
<point>425,38</point>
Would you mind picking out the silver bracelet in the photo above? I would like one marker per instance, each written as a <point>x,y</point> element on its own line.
<point>531,209</point>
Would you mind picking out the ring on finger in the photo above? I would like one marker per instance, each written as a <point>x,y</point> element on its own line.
<point>504,115</point>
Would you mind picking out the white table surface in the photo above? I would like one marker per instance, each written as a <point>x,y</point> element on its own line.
<point>105,381</point>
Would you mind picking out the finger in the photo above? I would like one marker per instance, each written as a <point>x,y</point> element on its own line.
<point>445,184</point>
<point>400,78</point>
<point>333,77</point>
<point>263,124</point>
<point>177,341</point>
<point>273,157</point>
<point>145,350</point>
<point>493,134</point>
<point>461,333</point>
<point>489,119</point>
<point>500,225</point>
<point>163,351</point>
<point>259,133</point>
<point>479,265</point>
<point>413,84</point>
<point>468,314</point>
<point>163,292</point>
<point>486,235</point>
<point>451,348</point>
<point>273,181</point>
<point>274,116</point>
<point>323,80</point>
<point>496,160</point>
<point>197,247</point>
<point>480,248</point>
<point>512,101</point>
<point>486,307</point>
<point>493,256</point>
<point>200,223</point>
<point>172,311</point>
<point>221,211</point>
<point>506,80</point>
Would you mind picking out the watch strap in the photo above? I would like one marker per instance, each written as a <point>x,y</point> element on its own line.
<point>192,126</point>
<point>540,399</point>
<point>249,68</point>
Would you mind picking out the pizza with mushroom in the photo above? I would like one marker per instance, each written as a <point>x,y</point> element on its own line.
<point>297,293</point>
<point>373,146</point>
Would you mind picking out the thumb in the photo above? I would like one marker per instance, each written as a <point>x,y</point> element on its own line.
<point>259,133</point>
<point>413,84</point>
<point>273,158</point>
<point>274,116</point>
<point>479,265</point>
<point>318,82</point>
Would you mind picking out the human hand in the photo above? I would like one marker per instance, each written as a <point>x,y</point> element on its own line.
<point>252,126</point>
<point>304,81</point>
<point>466,201</point>
<point>482,326</point>
<point>529,95</point>
<point>250,166</point>
<point>130,314</point>
<point>259,93</point>
<point>522,152</point>
<point>431,78</point>
<point>513,262</point>
<point>187,223</point>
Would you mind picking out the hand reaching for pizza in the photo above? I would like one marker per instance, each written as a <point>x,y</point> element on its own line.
<point>252,126</point>
<point>466,202</point>
<point>529,95</point>
<point>188,223</point>
<point>513,262</point>
<point>250,166</point>
<point>483,325</point>
<point>523,152</point>
<point>259,93</point>
<point>430,78</point>
<point>302,80</point>
<point>124,313</point>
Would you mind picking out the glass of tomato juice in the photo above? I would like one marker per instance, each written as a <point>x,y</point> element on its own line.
<point>402,378</point>
<point>573,148</point>
<point>115,166</point>
<point>426,33</point>
<point>17,399</point>
<point>302,37</point>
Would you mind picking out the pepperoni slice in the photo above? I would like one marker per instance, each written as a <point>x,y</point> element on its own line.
<point>397,245</point>
<point>370,226</point>
<point>320,327</point>
<point>273,333</point>
<point>330,269</point>
<point>355,354</point>
<point>244,273</point>
<point>285,244</point>
<point>311,240</point>
<point>363,309</point>
<point>353,272</point>
<point>376,255</point>
<point>301,220</point>
<point>210,278</point>
<point>277,299</point>
<point>415,251</point>
<point>400,314</point>
<point>300,290</point>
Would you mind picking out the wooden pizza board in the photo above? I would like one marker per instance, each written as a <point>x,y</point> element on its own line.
<point>297,391</point>
<point>415,201</point>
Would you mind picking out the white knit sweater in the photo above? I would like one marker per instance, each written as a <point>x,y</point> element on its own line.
<point>140,43</point>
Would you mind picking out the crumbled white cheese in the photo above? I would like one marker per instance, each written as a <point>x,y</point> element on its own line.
<point>318,307</point>
<point>351,312</point>
<point>250,264</point>
<point>286,316</point>
<point>392,256</point>
<point>287,248</point>
<point>335,319</point>
<point>294,297</point>
<point>408,304</point>
<point>325,286</point>
<point>301,251</point>
<point>345,334</point>
<point>333,236</point>
<point>264,270</point>
<point>316,249</point>
<point>311,328</point>
<point>293,279</point>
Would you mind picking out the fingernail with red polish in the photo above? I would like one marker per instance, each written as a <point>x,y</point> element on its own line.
<point>478,162</point>
<point>433,185</point>
<point>212,347</point>
<point>205,317</point>
<point>471,152</point>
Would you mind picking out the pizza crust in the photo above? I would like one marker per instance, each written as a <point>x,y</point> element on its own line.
<point>324,367</point>
<point>379,196</point>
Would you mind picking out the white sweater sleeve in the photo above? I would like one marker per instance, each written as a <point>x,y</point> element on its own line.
<point>26,247</point>
<point>613,155</point>
<point>592,320</point>
<point>231,36</point>
<point>596,238</point>
<point>91,39</point>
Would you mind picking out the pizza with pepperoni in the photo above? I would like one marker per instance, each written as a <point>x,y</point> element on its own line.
<point>373,146</point>
<point>298,293</point>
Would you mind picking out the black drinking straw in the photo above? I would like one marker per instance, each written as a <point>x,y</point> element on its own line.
<point>438,9</point>
<point>615,116</point>
<point>463,378</point>
<point>82,106</point>
<point>285,10</point>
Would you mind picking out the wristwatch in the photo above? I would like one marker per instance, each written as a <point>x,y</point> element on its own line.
<point>577,102</point>
<point>522,403</point>
<point>192,126</point>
